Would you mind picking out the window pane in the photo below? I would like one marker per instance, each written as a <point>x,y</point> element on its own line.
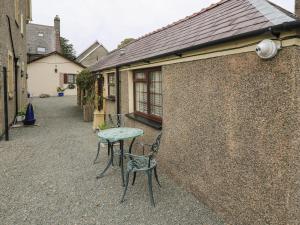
<point>71,78</point>
<point>141,97</point>
<point>156,93</point>
<point>140,76</point>
<point>111,84</point>
<point>112,91</point>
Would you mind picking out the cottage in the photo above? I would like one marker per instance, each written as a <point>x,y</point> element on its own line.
<point>14,17</point>
<point>92,54</point>
<point>48,69</point>
<point>48,72</point>
<point>230,118</point>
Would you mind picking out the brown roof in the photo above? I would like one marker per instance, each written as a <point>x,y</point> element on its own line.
<point>56,53</point>
<point>221,21</point>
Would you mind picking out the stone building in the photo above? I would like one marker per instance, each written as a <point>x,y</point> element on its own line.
<point>230,119</point>
<point>43,39</point>
<point>14,15</point>
<point>92,54</point>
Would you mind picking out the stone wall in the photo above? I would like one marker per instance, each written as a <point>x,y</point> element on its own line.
<point>231,134</point>
<point>7,8</point>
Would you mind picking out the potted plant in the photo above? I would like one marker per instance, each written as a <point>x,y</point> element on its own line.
<point>20,116</point>
<point>60,91</point>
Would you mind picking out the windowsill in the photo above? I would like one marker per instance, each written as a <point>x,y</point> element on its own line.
<point>151,123</point>
<point>110,98</point>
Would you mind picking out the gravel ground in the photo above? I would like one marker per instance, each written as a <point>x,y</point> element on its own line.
<point>47,177</point>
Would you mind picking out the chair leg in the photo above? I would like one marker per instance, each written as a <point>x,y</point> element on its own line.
<point>156,176</point>
<point>149,173</point>
<point>98,151</point>
<point>126,187</point>
<point>113,155</point>
<point>120,159</point>
<point>134,176</point>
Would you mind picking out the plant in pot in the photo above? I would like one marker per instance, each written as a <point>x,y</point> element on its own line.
<point>60,91</point>
<point>20,116</point>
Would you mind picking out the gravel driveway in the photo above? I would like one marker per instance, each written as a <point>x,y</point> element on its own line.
<point>47,177</point>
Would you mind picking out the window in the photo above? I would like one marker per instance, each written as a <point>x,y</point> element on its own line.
<point>41,50</point>
<point>10,75</point>
<point>40,34</point>
<point>148,93</point>
<point>22,24</point>
<point>69,78</point>
<point>111,85</point>
<point>17,11</point>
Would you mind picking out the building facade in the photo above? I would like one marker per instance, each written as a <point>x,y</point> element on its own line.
<point>92,54</point>
<point>230,119</point>
<point>47,73</point>
<point>14,15</point>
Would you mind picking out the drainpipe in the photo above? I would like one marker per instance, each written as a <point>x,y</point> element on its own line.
<point>5,104</point>
<point>16,60</point>
<point>118,90</point>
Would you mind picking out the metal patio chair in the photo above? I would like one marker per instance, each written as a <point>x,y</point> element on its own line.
<point>144,163</point>
<point>111,121</point>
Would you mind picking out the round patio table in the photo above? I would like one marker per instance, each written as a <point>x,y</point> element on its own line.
<point>120,135</point>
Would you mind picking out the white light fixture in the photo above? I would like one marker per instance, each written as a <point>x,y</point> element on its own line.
<point>267,49</point>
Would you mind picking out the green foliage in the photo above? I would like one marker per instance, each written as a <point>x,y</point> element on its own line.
<point>103,126</point>
<point>71,86</point>
<point>60,89</point>
<point>67,49</point>
<point>125,42</point>
<point>86,81</point>
<point>22,112</point>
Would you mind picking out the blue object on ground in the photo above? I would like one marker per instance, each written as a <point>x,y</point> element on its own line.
<point>29,117</point>
<point>60,94</point>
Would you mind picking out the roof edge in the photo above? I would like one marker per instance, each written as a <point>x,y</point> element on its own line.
<point>57,53</point>
<point>283,26</point>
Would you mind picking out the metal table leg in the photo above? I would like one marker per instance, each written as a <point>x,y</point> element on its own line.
<point>122,161</point>
<point>110,146</point>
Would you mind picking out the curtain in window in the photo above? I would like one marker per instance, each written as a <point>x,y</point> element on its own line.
<point>156,93</point>
<point>141,97</point>
<point>111,84</point>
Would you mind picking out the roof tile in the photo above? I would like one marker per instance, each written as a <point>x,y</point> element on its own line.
<point>222,20</point>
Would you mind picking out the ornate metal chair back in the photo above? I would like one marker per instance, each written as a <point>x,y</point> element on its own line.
<point>156,144</point>
<point>115,120</point>
<point>154,148</point>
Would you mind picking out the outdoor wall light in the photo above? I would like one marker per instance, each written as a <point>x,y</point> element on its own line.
<point>267,49</point>
<point>22,73</point>
<point>98,76</point>
<point>55,70</point>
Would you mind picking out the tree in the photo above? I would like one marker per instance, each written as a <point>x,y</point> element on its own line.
<point>125,42</point>
<point>67,49</point>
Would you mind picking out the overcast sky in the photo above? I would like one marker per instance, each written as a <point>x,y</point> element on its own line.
<point>110,21</point>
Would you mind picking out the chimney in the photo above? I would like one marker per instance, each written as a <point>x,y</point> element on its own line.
<point>297,8</point>
<point>57,33</point>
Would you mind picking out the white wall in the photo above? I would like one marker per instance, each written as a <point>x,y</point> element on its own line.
<point>42,78</point>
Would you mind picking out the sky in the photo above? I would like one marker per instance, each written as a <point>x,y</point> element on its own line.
<point>111,21</point>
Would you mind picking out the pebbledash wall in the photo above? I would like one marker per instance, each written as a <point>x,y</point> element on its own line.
<point>19,41</point>
<point>234,141</point>
<point>231,133</point>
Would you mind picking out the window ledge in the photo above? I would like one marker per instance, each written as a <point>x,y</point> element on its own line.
<point>151,123</point>
<point>110,98</point>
